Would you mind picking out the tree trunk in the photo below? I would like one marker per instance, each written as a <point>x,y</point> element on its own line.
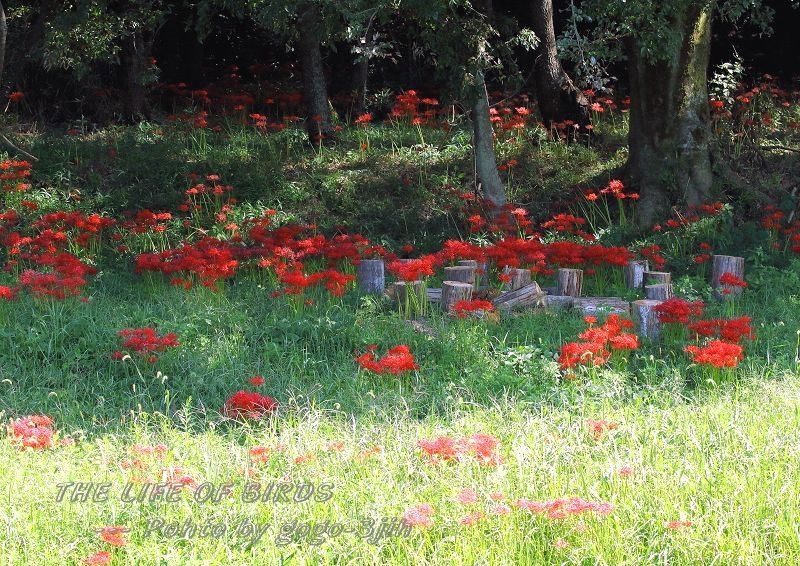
<point>315,91</point>
<point>668,137</point>
<point>134,65</point>
<point>558,98</point>
<point>361,77</point>
<point>483,144</point>
<point>3,34</point>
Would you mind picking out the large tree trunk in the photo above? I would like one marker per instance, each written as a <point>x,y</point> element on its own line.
<point>483,144</point>
<point>315,91</point>
<point>668,138</point>
<point>558,98</point>
<point>134,66</point>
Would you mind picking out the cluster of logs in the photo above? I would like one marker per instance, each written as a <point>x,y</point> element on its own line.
<point>520,291</point>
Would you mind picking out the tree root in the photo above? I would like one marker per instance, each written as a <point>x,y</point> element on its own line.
<point>10,145</point>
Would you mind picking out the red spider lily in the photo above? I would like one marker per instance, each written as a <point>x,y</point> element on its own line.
<point>731,280</point>
<point>598,428</point>
<point>16,96</point>
<point>66,278</point>
<point>462,309</point>
<point>114,535</point>
<point>101,558</point>
<point>209,259</point>
<point>8,293</point>
<point>414,269</point>
<point>598,342</point>
<point>730,330</point>
<point>678,311</point>
<point>35,432</point>
<point>480,447</point>
<point>563,508</point>
<point>249,405</point>
<point>364,119</point>
<point>12,173</point>
<point>146,342</point>
<point>256,381</point>
<point>396,361</point>
<point>652,253</point>
<point>717,353</point>
<point>419,516</point>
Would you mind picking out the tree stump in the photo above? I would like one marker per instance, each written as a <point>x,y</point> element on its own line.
<point>591,306</point>
<point>528,296</point>
<point>462,273</point>
<point>657,278</point>
<point>722,264</point>
<point>660,292</point>
<point>634,273</point>
<point>454,291</point>
<point>371,276</point>
<point>434,295</point>
<point>570,282</point>
<point>481,271</point>
<point>646,319</point>
<point>519,278</point>
<point>416,288</point>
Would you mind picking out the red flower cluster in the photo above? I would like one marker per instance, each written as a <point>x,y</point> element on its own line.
<point>598,343</point>
<point>678,311</point>
<point>717,353</point>
<point>563,508</point>
<point>731,330</point>
<point>12,174</point>
<point>208,259</point>
<point>598,428</point>
<point>34,431</point>
<point>462,309</point>
<point>146,342</point>
<point>249,405</point>
<point>481,447</point>
<point>396,361</point>
<point>730,280</point>
<point>66,278</point>
<point>414,269</point>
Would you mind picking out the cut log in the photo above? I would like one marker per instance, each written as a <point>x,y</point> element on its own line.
<point>434,295</point>
<point>371,276</point>
<point>559,302</point>
<point>722,264</point>
<point>529,296</point>
<point>550,290</point>
<point>454,291</point>
<point>481,271</point>
<point>462,273</point>
<point>570,282</point>
<point>657,278</point>
<point>660,292</point>
<point>519,278</point>
<point>646,319</point>
<point>591,306</point>
<point>634,273</point>
<point>416,288</point>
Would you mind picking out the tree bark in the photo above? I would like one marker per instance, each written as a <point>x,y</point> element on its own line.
<point>558,98</point>
<point>134,65</point>
<point>483,144</point>
<point>315,90</point>
<point>668,137</point>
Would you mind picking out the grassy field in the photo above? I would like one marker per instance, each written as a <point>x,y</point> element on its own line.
<point>488,453</point>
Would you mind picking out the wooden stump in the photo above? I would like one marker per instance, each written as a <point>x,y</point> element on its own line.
<point>462,273</point>
<point>660,292</point>
<point>722,264</point>
<point>657,278</point>
<point>634,273</point>
<point>371,276</point>
<point>646,319</point>
<point>481,271</point>
<point>454,291</point>
<point>528,296</point>
<point>570,282</point>
<point>559,302</point>
<point>434,295</point>
<point>598,305</point>
<point>401,288</point>
<point>519,278</point>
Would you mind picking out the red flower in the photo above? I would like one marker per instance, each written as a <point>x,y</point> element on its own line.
<point>717,353</point>
<point>731,280</point>
<point>462,308</point>
<point>248,404</point>
<point>114,535</point>
<point>16,96</point>
<point>146,342</point>
<point>256,381</point>
<point>396,361</point>
<point>98,558</point>
<point>34,431</point>
<point>678,311</point>
<point>597,428</point>
<point>419,516</point>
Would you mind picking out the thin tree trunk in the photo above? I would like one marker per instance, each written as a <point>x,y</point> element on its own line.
<point>669,159</point>
<point>558,98</point>
<point>483,143</point>
<point>315,91</point>
<point>362,72</point>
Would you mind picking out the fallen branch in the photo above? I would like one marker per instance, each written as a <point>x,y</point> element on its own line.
<point>10,145</point>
